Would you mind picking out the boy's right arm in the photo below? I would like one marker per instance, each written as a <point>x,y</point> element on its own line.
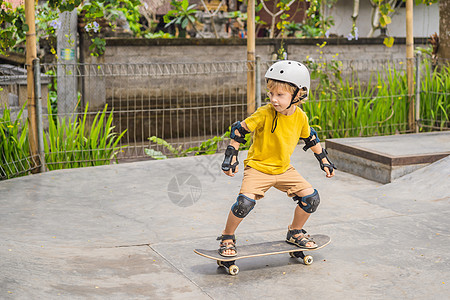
<point>230,163</point>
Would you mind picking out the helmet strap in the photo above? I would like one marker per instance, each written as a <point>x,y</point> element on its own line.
<point>293,97</point>
<point>274,122</point>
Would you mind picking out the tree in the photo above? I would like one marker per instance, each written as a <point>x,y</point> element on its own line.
<point>444,29</point>
<point>284,6</point>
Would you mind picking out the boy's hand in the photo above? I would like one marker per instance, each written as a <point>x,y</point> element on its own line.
<point>230,171</point>
<point>326,169</point>
<point>230,161</point>
<point>321,155</point>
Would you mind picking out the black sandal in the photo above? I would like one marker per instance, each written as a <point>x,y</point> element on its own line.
<point>301,240</point>
<point>228,245</point>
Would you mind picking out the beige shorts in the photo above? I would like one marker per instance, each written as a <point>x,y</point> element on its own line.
<point>256,182</point>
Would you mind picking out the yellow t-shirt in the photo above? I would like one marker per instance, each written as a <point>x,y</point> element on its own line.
<point>270,152</point>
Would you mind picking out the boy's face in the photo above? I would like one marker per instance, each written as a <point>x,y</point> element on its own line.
<point>280,99</point>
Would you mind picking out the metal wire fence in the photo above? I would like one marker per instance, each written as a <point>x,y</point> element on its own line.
<point>95,114</point>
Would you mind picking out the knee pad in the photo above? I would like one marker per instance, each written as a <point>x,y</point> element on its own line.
<point>242,206</point>
<point>312,202</point>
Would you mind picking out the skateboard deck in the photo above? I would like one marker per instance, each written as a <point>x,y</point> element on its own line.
<point>264,249</point>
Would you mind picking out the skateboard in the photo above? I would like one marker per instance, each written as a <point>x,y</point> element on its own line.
<point>263,249</point>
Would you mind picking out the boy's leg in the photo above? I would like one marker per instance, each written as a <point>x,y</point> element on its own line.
<point>301,216</point>
<point>232,224</point>
<point>254,185</point>
<point>292,183</point>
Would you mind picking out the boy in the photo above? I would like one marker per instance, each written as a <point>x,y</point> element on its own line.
<point>276,128</point>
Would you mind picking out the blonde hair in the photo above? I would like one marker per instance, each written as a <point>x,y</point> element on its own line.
<point>273,85</point>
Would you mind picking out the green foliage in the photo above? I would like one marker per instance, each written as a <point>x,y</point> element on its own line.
<point>98,46</point>
<point>388,41</point>
<point>158,35</point>
<point>12,21</point>
<point>243,16</point>
<point>70,143</point>
<point>327,72</point>
<point>316,24</point>
<point>14,147</point>
<point>434,98</point>
<point>66,5</point>
<point>425,2</point>
<point>380,106</point>
<point>112,10</point>
<point>12,26</point>
<point>181,15</point>
<point>94,12</point>
<point>207,147</point>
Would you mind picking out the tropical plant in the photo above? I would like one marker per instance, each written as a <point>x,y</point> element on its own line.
<point>70,143</point>
<point>14,147</point>
<point>435,98</point>
<point>182,15</point>
<point>209,146</point>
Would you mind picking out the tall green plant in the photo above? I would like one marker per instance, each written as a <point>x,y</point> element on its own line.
<point>14,147</point>
<point>435,98</point>
<point>346,108</point>
<point>71,143</point>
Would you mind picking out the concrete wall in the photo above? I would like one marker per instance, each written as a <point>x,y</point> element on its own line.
<point>13,91</point>
<point>128,50</point>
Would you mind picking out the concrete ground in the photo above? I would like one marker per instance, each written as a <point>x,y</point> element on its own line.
<point>128,232</point>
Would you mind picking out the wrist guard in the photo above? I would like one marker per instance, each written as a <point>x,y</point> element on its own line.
<point>309,141</point>
<point>323,155</point>
<point>242,132</point>
<point>229,154</point>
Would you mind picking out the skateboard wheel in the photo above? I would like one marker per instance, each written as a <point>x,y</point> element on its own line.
<point>233,270</point>
<point>308,259</point>
<point>219,263</point>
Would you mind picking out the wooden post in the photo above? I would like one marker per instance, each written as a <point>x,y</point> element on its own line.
<point>251,80</point>
<point>31,55</point>
<point>410,63</point>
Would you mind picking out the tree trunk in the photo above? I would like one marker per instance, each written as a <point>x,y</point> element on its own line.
<point>272,28</point>
<point>444,30</point>
<point>355,12</point>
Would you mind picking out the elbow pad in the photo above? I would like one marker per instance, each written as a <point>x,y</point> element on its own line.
<point>309,141</point>
<point>241,130</point>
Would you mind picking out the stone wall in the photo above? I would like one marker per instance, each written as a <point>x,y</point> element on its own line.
<point>129,50</point>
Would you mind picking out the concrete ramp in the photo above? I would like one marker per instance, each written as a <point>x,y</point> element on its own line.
<point>386,158</point>
<point>424,190</point>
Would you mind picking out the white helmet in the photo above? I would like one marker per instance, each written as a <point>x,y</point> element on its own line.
<point>290,71</point>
